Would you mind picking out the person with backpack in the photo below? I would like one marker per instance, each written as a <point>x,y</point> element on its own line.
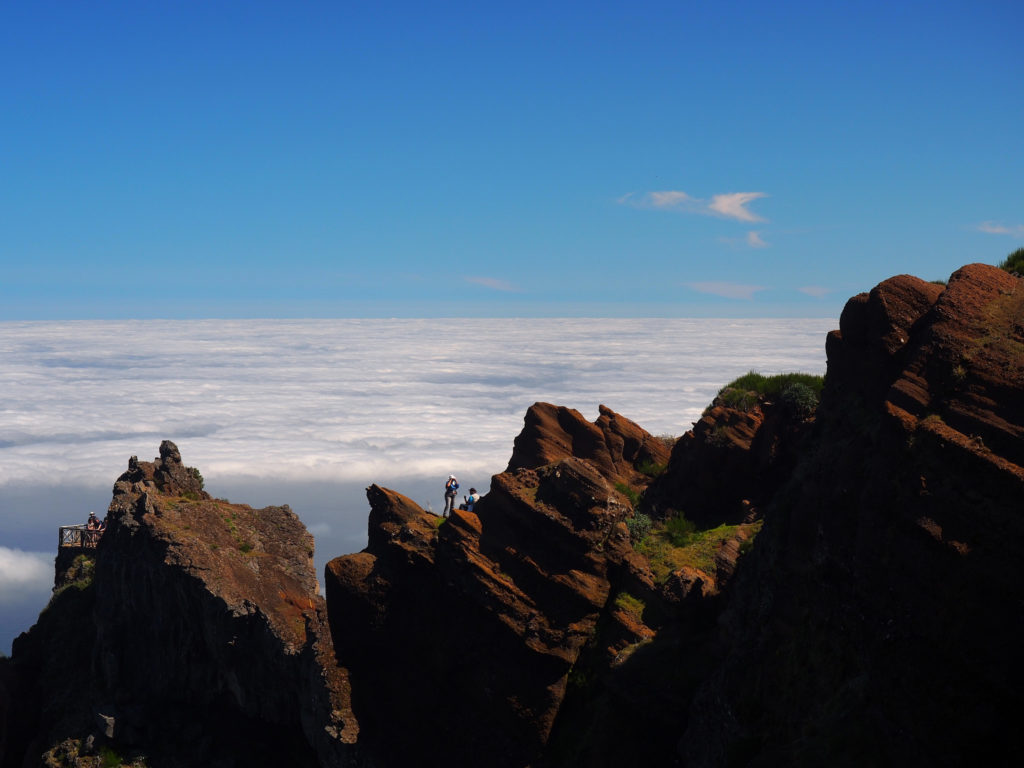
<point>451,489</point>
<point>470,501</point>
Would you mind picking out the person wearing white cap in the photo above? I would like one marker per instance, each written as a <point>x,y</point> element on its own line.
<point>451,488</point>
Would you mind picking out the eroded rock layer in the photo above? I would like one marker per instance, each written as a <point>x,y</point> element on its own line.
<point>618,448</point>
<point>875,622</point>
<point>463,633</point>
<point>875,619</point>
<point>200,637</point>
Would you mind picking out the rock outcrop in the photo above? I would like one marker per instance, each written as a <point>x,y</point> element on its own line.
<point>874,620</point>
<point>878,616</point>
<point>461,635</point>
<point>728,467</point>
<point>618,448</point>
<point>200,637</point>
<point>482,619</point>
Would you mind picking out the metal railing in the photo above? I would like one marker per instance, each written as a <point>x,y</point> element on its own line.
<point>78,536</point>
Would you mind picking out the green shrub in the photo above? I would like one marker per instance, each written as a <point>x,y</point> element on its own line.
<point>698,550</point>
<point>651,468</point>
<point>631,605</point>
<point>679,530</point>
<point>799,399</point>
<point>639,526</point>
<point>198,476</point>
<point>629,493</point>
<point>1014,263</point>
<point>738,398</point>
<point>771,386</point>
<point>109,758</point>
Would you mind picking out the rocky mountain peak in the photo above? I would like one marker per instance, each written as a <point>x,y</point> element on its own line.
<point>166,473</point>
<point>613,444</point>
<point>200,620</point>
<point>787,586</point>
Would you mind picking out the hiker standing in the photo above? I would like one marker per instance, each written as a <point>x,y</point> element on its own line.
<point>451,488</point>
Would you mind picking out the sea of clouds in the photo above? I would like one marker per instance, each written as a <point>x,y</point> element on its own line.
<point>309,412</point>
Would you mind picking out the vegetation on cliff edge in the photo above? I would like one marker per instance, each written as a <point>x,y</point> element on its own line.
<point>798,392</point>
<point>674,543</point>
<point>1014,262</point>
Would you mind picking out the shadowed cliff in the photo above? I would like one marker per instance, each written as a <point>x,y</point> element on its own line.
<point>785,585</point>
<point>464,631</point>
<point>193,633</point>
<point>878,616</point>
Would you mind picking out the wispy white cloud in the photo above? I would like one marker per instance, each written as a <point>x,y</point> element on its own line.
<point>816,291</point>
<point>494,283</point>
<point>752,239</point>
<point>732,205</point>
<point>995,228</point>
<point>673,199</point>
<point>727,290</point>
<point>24,576</point>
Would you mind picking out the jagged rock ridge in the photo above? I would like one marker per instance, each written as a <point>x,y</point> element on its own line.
<point>487,613</point>
<point>873,621</point>
<point>615,446</point>
<point>200,639</point>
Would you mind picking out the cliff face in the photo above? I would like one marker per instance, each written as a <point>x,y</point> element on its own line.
<point>199,638</point>
<point>870,624</point>
<point>875,620</point>
<point>728,467</point>
<point>461,634</point>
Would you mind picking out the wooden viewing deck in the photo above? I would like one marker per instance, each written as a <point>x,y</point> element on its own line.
<point>78,536</point>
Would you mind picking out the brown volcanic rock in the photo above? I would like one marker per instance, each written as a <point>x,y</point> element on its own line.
<point>874,328</point>
<point>876,619</point>
<point>730,464</point>
<point>167,473</point>
<point>203,633</point>
<point>480,619</point>
<point>616,446</point>
<point>969,368</point>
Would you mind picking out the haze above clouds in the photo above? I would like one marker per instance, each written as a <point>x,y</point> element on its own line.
<point>310,412</point>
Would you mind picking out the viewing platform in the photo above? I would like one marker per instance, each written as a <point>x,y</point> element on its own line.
<point>78,537</point>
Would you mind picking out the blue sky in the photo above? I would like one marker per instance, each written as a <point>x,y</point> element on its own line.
<point>251,159</point>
